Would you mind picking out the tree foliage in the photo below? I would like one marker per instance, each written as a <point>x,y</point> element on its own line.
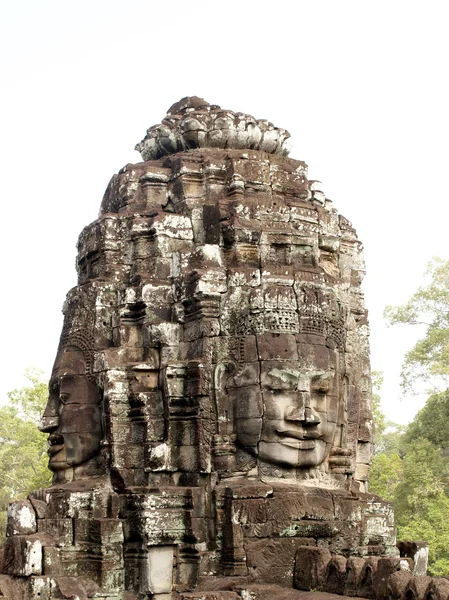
<point>422,501</point>
<point>23,456</point>
<point>431,423</point>
<point>412,471</point>
<point>385,476</point>
<point>420,493</point>
<point>380,421</point>
<point>428,360</point>
<point>386,468</point>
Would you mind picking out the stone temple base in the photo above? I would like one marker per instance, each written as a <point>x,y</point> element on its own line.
<point>157,542</point>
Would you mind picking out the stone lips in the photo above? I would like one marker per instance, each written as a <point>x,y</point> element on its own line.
<point>194,123</point>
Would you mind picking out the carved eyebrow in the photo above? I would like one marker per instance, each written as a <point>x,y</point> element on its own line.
<point>286,375</point>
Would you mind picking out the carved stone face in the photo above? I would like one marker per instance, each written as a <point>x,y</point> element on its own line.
<point>73,414</point>
<point>288,415</point>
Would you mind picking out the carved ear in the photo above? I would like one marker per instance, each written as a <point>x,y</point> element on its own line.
<point>222,372</point>
<point>222,405</point>
<point>224,437</point>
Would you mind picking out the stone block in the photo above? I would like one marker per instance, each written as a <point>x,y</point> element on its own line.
<point>155,430</point>
<point>272,560</point>
<point>40,588</point>
<point>71,588</point>
<point>286,506</point>
<point>52,561</point>
<point>183,432</point>
<point>361,472</point>
<point>354,568</point>
<point>273,346</point>
<point>164,334</point>
<point>336,575</point>
<point>438,589</point>
<point>244,277</point>
<point>310,568</point>
<point>243,489</point>
<point>385,568</point>
<point>128,454</point>
<point>20,518</point>
<point>248,431</point>
<point>366,584</point>
<point>187,458</point>
<point>319,505</point>
<point>144,379</point>
<point>247,402</point>
<point>123,432</point>
<point>247,375</point>
<point>59,530</point>
<point>416,587</point>
<point>347,508</point>
<point>39,505</point>
<point>22,556</point>
<point>364,452</point>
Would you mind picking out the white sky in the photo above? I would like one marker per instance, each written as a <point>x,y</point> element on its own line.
<point>361,86</point>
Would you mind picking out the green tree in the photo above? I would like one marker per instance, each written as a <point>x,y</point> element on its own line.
<point>421,502</point>
<point>421,497</point>
<point>412,472</point>
<point>388,433</point>
<point>428,360</point>
<point>431,423</point>
<point>23,456</point>
<point>380,420</point>
<point>386,467</point>
<point>385,475</point>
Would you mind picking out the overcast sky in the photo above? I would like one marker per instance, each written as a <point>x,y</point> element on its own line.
<point>361,86</point>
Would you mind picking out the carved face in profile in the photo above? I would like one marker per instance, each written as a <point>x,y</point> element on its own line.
<point>286,411</point>
<point>73,413</point>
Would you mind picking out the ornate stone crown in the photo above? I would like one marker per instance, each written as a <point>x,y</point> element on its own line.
<point>194,123</point>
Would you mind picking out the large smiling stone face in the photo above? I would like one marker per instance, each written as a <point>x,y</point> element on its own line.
<point>286,411</point>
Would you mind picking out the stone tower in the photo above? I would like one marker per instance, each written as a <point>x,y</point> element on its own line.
<point>209,411</point>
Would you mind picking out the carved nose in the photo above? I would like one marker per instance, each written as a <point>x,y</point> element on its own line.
<point>311,418</point>
<point>48,424</point>
<point>304,415</point>
<point>50,419</point>
<point>295,413</point>
<point>303,412</point>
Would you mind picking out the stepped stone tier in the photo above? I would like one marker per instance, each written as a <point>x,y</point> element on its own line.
<point>209,412</point>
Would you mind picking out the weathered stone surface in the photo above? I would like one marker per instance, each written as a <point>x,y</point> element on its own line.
<point>385,568</point>
<point>274,559</point>
<point>209,411</point>
<point>22,556</point>
<point>438,588</point>
<point>310,568</point>
<point>336,575</point>
<point>21,518</point>
<point>193,123</point>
